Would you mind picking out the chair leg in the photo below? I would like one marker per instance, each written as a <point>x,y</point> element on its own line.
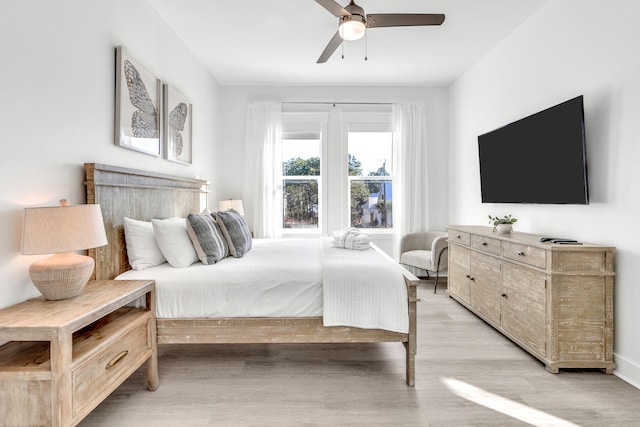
<point>435,288</point>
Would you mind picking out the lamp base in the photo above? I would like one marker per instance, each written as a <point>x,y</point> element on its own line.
<point>61,276</point>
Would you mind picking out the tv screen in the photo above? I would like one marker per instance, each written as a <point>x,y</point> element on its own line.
<point>539,159</point>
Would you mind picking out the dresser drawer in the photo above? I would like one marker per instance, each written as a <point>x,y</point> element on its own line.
<point>486,244</point>
<point>525,254</point>
<point>113,362</point>
<point>459,237</point>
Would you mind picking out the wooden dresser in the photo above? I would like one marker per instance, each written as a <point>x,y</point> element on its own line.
<point>555,301</point>
<point>64,357</point>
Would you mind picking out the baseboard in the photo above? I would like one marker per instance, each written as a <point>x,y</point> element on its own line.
<point>627,371</point>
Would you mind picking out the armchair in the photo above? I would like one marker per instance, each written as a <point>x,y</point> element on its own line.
<point>427,250</point>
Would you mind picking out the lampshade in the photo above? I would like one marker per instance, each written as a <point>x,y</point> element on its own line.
<point>236,205</point>
<point>59,231</point>
<point>351,27</point>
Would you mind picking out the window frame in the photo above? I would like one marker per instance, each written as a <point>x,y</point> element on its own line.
<point>306,122</point>
<point>365,122</point>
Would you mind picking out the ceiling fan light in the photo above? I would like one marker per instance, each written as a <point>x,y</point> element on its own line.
<point>351,27</point>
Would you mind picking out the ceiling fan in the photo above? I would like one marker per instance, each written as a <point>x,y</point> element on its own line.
<point>353,22</point>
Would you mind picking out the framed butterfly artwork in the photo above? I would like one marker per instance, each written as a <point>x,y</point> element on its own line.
<point>177,125</point>
<point>138,106</point>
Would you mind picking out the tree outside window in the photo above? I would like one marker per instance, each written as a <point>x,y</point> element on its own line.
<point>300,183</point>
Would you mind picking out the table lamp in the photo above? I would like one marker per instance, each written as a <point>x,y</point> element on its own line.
<point>236,205</point>
<point>60,230</point>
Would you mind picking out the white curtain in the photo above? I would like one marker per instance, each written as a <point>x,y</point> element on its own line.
<point>263,161</point>
<point>410,188</point>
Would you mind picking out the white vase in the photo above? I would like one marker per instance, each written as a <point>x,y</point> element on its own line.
<point>504,228</point>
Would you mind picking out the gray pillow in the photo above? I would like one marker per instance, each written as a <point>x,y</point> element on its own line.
<point>235,230</point>
<point>208,241</point>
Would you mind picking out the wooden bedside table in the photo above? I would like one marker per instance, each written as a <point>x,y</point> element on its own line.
<point>65,357</point>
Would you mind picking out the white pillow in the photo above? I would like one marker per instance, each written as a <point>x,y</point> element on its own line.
<point>142,248</point>
<point>174,242</point>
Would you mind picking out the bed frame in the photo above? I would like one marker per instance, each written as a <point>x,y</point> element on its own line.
<point>142,195</point>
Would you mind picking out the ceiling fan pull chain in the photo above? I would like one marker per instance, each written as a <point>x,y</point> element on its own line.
<point>341,42</point>
<point>365,46</point>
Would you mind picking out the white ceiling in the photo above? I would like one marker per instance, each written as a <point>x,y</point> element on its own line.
<point>277,42</point>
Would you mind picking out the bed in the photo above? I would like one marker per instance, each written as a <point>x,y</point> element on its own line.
<point>159,195</point>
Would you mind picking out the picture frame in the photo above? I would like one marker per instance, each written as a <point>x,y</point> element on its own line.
<point>137,106</point>
<point>178,113</point>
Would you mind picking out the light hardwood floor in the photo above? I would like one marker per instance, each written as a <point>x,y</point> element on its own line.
<point>467,374</point>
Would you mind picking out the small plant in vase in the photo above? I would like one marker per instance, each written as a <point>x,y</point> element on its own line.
<point>502,225</point>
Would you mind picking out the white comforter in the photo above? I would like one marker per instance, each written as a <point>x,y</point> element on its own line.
<point>287,278</point>
<point>271,280</point>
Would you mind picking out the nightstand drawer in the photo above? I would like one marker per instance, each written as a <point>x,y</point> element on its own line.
<point>112,361</point>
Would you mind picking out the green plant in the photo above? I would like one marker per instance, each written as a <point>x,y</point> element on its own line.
<point>507,219</point>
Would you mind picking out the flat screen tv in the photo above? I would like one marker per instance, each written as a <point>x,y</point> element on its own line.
<point>541,158</point>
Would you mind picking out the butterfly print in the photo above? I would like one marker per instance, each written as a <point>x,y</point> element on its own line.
<point>177,118</point>
<point>143,120</point>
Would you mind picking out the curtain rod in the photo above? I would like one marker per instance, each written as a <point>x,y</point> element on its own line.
<point>337,103</point>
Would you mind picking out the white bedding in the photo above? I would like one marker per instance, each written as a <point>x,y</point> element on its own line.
<point>271,280</point>
<point>287,278</point>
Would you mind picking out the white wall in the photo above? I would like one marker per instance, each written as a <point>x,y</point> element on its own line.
<point>568,48</point>
<point>229,166</point>
<point>57,83</point>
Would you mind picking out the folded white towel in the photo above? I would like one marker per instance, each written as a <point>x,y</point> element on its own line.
<point>351,239</point>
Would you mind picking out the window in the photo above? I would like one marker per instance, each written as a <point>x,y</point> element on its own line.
<point>301,176</point>
<point>321,194</point>
<point>370,165</point>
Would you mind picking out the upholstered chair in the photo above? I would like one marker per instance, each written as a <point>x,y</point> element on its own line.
<point>426,250</point>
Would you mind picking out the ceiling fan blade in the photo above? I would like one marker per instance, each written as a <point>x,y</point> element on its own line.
<point>333,7</point>
<point>403,19</point>
<point>335,41</point>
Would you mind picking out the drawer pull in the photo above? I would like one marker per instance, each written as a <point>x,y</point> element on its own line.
<point>504,295</point>
<point>116,359</point>
<point>459,236</point>
<point>520,253</point>
<point>484,243</point>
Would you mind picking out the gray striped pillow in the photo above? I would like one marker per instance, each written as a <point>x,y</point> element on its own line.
<point>235,230</point>
<point>208,241</point>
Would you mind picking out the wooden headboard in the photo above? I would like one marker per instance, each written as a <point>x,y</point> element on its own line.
<point>136,194</point>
